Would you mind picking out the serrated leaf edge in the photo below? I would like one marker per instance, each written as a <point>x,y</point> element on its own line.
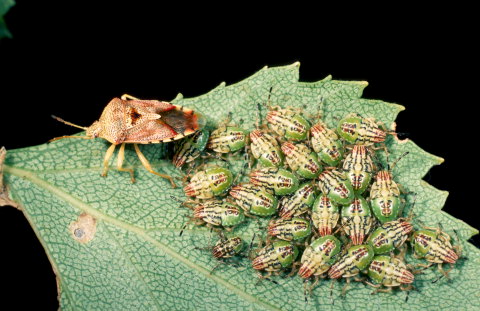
<point>363,84</point>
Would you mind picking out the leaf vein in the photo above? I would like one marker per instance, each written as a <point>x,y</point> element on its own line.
<point>32,177</point>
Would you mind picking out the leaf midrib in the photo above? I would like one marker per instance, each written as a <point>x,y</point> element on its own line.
<point>154,164</point>
<point>79,204</point>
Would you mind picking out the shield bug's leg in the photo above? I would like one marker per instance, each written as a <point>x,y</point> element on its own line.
<point>443,235</point>
<point>403,190</point>
<point>407,288</point>
<point>305,289</point>
<point>126,96</point>
<point>372,285</point>
<point>149,168</point>
<point>358,278</point>
<point>383,290</point>
<point>252,253</point>
<point>189,173</point>
<point>120,158</point>
<point>424,266</point>
<point>220,262</point>
<point>214,156</point>
<point>410,213</point>
<point>381,147</point>
<point>260,278</point>
<point>315,283</point>
<point>340,228</point>
<point>332,284</point>
<point>444,272</point>
<point>345,287</point>
<point>190,220</point>
<point>402,252</point>
<point>441,276</point>
<point>414,271</point>
<point>458,248</point>
<point>227,120</point>
<point>206,248</point>
<point>294,269</point>
<point>61,137</point>
<point>436,229</point>
<point>106,159</point>
<point>384,128</point>
<point>249,250</point>
<point>247,158</point>
<point>240,174</point>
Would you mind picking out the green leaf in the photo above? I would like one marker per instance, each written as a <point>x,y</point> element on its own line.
<point>5,5</point>
<point>116,246</point>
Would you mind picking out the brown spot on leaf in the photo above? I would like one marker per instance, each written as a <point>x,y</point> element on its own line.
<point>83,230</point>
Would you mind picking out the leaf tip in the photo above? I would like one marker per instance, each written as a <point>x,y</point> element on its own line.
<point>327,78</point>
<point>433,159</point>
<point>363,84</point>
<point>444,193</point>
<point>179,96</point>
<point>436,159</point>
<point>475,231</point>
<point>398,107</point>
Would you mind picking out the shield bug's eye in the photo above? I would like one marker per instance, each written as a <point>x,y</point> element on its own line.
<point>94,130</point>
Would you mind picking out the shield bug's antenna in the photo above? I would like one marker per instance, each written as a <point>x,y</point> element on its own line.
<point>183,228</point>
<point>410,214</point>
<point>68,136</point>
<point>251,243</point>
<point>258,118</point>
<point>174,198</point>
<point>378,162</point>
<point>69,123</point>
<point>241,173</point>
<point>269,95</point>
<point>390,167</point>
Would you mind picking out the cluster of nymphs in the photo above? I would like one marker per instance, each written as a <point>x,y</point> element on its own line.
<point>335,210</point>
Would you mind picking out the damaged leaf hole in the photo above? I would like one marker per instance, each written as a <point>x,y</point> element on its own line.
<point>83,230</point>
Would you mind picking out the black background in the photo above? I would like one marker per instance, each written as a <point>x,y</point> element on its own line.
<point>71,59</point>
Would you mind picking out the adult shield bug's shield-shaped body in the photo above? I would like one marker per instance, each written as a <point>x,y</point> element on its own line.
<point>128,120</point>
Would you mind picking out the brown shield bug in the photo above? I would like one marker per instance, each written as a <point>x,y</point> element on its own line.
<point>129,120</point>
